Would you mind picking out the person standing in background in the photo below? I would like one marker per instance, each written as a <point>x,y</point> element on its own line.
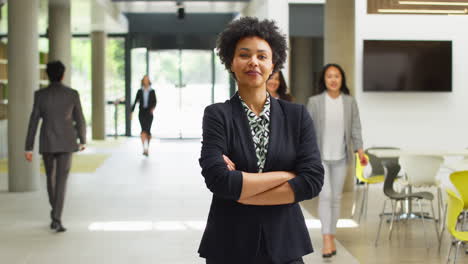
<point>338,125</point>
<point>276,86</point>
<point>63,123</point>
<point>146,97</point>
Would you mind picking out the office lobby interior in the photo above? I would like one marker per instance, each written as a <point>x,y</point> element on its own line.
<point>406,67</point>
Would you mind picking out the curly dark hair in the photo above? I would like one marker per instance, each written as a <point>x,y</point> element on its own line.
<point>321,84</point>
<point>251,27</point>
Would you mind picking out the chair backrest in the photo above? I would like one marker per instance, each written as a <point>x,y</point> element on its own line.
<point>459,179</point>
<point>376,162</point>
<point>360,168</point>
<point>421,169</point>
<point>454,208</point>
<point>393,169</point>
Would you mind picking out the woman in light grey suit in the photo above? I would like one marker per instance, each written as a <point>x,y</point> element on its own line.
<point>338,127</point>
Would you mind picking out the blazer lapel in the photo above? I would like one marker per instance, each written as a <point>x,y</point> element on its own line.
<point>277,124</point>
<point>346,113</point>
<point>241,124</point>
<point>321,110</point>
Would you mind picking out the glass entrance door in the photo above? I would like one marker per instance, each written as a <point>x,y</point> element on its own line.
<point>195,90</point>
<point>185,84</point>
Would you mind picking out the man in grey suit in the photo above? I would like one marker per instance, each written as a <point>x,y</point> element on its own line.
<point>62,124</point>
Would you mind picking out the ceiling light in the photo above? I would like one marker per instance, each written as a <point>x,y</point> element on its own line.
<point>422,11</point>
<point>433,3</point>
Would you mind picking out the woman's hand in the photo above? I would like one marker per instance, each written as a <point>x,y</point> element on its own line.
<point>362,157</point>
<point>28,155</point>
<point>231,166</point>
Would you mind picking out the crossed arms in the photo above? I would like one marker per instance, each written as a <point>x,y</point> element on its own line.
<point>269,188</point>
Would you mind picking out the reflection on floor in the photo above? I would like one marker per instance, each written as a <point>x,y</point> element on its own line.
<point>153,210</point>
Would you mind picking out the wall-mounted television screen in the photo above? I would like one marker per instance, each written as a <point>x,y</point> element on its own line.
<point>407,66</point>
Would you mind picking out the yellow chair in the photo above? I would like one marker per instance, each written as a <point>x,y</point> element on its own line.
<point>454,208</point>
<point>459,179</point>
<point>367,181</point>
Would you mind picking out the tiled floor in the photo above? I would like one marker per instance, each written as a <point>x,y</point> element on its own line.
<point>131,210</point>
<point>152,210</point>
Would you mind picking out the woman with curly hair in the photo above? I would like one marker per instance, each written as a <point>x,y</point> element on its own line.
<point>276,87</point>
<point>259,157</point>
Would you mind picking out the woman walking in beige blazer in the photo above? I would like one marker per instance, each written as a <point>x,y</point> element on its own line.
<point>338,127</point>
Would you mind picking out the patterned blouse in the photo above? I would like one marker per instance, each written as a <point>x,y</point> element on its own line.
<point>260,128</point>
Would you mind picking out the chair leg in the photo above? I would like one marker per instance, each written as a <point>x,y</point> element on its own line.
<point>440,203</point>
<point>364,197</point>
<point>355,196</point>
<point>367,200</point>
<point>422,219</point>
<point>441,232</point>
<point>380,223</point>
<point>450,251</point>
<point>456,251</point>
<point>444,219</point>
<point>435,222</point>
<point>392,219</point>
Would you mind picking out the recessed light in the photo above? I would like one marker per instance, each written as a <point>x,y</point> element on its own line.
<point>441,3</point>
<point>422,11</point>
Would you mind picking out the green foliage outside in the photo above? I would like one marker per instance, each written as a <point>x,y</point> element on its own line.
<point>115,78</point>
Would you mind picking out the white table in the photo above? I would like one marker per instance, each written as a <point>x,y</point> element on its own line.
<point>396,153</point>
<point>461,165</point>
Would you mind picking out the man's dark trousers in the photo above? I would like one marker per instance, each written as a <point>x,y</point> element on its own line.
<point>57,166</point>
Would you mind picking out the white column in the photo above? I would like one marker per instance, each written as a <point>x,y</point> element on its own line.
<point>23,80</point>
<point>60,36</point>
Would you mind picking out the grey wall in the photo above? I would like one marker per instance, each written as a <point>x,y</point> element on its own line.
<point>306,20</point>
<point>166,31</point>
<point>306,64</point>
<point>306,25</point>
<point>163,23</point>
<point>156,41</point>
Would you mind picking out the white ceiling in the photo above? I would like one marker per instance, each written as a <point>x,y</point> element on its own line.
<point>89,15</point>
<point>115,21</point>
<point>112,19</point>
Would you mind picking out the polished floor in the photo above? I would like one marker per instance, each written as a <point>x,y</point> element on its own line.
<point>152,210</point>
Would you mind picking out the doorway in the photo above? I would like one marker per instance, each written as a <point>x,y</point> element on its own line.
<point>185,82</point>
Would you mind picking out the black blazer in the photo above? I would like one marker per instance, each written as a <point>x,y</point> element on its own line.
<point>234,231</point>
<point>152,101</point>
<point>63,122</point>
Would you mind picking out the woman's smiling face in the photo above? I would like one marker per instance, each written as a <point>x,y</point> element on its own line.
<point>333,79</point>
<point>253,62</point>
